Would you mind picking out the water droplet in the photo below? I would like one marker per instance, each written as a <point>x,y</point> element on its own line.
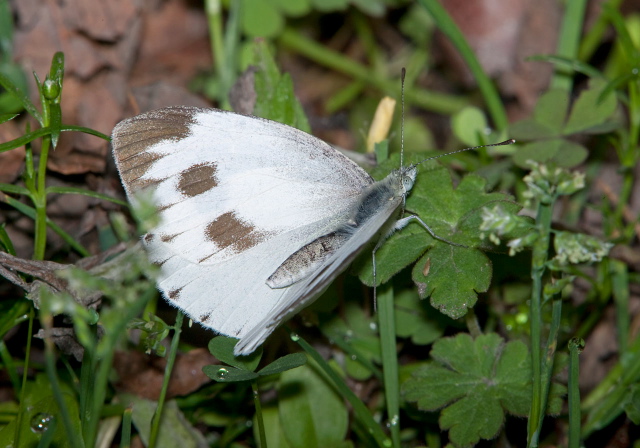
<point>395,420</point>
<point>40,422</point>
<point>354,358</point>
<point>373,326</point>
<point>295,337</point>
<point>248,423</point>
<point>221,374</point>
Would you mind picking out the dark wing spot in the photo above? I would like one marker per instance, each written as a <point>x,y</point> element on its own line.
<point>205,317</point>
<point>174,294</point>
<point>197,179</point>
<point>229,231</point>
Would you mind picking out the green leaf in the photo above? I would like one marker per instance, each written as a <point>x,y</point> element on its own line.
<point>276,99</point>
<point>537,151</point>
<point>5,240</point>
<point>306,398</point>
<point>355,330</point>
<point>453,215</point>
<point>7,117</point>
<point>228,374</point>
<point>416,319</point>
<point>12,313</point>
<point>330,5</point>
<point>476,381</point>
<point>563,153</point>
<point>222,348</point>
<point>38,408</point>
<point>590,109</point>
<point>272,428</point>
<point>469,125</point>
<point>85,192</point>
<point>175,429</point>
<point>287,362</point>
<point>456,276</point>
<point>530,129</point>
<point>260,18</point>
<point>293,8</point>
<point>20,94</point>
<point>551,110</point>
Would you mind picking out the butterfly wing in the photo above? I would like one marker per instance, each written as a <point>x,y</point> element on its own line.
<point>236,196</point>
<point>304,292</point>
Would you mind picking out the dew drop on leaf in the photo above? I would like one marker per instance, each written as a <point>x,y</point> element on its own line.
<point>221,374</point>
<point>40,422</point>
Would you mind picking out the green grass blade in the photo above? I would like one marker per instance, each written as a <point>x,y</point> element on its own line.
<point>488,90</point>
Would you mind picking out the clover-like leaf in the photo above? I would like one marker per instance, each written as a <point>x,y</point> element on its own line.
<point>222,348</point>
<point>454,215</point>
<point>590,109</point>
<point>228,374</point>
<point>551,110</point>
<point>416,319</point>
<point>287,362</point>
<point>308,398</point>
<point>456,275</point>
<point>476,381</point>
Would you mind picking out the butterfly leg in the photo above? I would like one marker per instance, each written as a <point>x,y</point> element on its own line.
<point>404,221</point>
<point>399,224</point>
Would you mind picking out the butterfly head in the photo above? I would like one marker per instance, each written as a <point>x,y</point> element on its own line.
<point>407,176</point>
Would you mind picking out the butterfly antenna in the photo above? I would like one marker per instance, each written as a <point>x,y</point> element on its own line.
<point>504,143</point>
<point>402,76</point>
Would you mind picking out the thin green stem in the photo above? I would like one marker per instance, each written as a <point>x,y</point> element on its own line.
<point>258,406</point>
<point>387,327</point>
<point>171,359</point>
<point>39,198</point>
<point>87,383</point>
<point>361,412</point>
<point>547,363</point>
<point>539,259</point>
<point>73,438</point>
<point>620,290</point>
<point>569,41</point>
<point>125,438</point>
<point>23,389</point>
<point>575,347</point>
<point>105,352</point>
<point>434,101</point>
<point>489,93</point>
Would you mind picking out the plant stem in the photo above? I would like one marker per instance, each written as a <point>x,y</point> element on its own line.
<point>539,259</point>
<point>73,438</point>
<point>575,347</point>
<point>489,93</point>
<point>434,101</point>
<point>40,202</point>
<point>569,41</point>
<point>547,363</point>
<point>258,406</point>
<point>23,389</point>
<point>361,412</point>
<point>105,352</point>
<point>171,359</point>
<point>387,327</point>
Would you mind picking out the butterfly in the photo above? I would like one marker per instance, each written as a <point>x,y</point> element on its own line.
<point>256,218</point>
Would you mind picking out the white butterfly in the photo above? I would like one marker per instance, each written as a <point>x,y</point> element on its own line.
<point>256,217</point>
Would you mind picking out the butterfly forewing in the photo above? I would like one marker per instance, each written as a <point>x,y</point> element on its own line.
<point>236,196</point>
